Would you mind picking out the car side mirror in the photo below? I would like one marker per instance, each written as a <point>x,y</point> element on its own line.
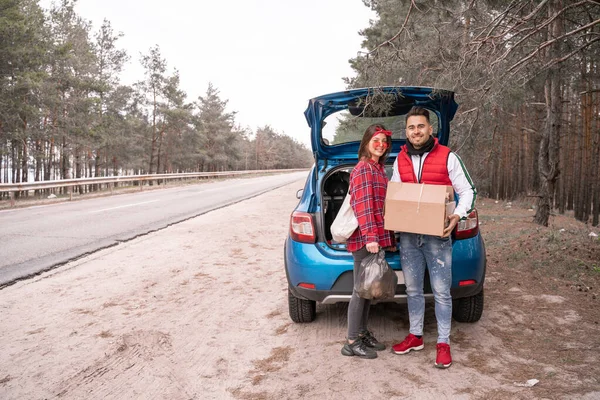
<point>299,193</point>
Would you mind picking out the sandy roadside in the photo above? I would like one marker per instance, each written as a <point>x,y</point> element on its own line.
<point>199,311</point>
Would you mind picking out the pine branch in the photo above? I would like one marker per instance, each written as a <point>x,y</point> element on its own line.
<point>549,42</point>
<point>537,30</point>
<point>556,61</point>
<point>402,28</point>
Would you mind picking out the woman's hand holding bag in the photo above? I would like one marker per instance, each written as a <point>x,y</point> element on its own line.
<point>377,280</point>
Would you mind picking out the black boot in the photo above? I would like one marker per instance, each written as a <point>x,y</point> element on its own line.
<point>369,340</point>
<point>359,349</point>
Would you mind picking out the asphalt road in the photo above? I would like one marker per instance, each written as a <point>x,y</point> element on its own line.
<point>36,239</point>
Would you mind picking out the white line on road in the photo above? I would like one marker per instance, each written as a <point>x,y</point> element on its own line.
<point>124,206</point>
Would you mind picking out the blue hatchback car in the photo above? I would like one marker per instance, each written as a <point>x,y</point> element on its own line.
<point>320,270</point>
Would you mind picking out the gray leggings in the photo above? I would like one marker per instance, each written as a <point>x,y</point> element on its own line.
<point>358,309</point>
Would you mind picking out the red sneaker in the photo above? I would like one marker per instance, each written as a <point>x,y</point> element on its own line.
<point>411,342</point>
<point>443,359</point>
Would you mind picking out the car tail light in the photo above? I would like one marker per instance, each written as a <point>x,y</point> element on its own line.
<point>307,285</point>
<point>302,228</point>
<point>467,282</point>
<point>469,227</point>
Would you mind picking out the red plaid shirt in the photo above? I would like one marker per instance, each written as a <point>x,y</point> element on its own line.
<point>368,185</point>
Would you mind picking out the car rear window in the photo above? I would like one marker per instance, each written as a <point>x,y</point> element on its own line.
<point>342,127</point>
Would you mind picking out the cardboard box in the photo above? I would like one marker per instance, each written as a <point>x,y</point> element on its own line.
<point>418,208</point>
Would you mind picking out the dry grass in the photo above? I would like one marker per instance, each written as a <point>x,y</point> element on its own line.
<point>279,356</point>
<point>546,280</point>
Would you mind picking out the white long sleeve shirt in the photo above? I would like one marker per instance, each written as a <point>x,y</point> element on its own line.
<point>461,181</point>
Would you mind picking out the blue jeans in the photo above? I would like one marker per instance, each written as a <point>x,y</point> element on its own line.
<point>416,253</point>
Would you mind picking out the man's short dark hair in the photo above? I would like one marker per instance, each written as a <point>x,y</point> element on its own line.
<point>416,111</point>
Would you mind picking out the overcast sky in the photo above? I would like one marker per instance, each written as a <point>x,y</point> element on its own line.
<point>266,57</point>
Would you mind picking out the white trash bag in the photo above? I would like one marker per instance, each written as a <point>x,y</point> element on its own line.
<point>345,222</point>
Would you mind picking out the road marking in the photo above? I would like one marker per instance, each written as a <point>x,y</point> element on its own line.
<point>124,206</point>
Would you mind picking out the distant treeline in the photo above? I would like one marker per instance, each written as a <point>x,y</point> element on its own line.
<point>64,114</point>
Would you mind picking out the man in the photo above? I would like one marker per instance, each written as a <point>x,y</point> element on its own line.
<point>423,160</point>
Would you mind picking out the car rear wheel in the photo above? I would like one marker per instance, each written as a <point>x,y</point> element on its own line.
<point>301,310</point>
<point>468,309</point>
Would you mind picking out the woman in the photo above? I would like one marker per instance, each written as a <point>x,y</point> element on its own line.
<point>368,185</point>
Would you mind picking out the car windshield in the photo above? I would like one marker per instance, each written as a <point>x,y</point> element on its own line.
<point>342,127</point>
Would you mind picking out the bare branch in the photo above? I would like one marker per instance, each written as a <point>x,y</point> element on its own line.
<point>538,29</point>
<point>556,61</point>
<point>510,28</point>
<point>387,42</point>
<point>549,42</point>
<point>553,62</point>
<point>468,111</point>
<point>530,130</point>
<point>498,20</point>
<point>470,131</point>
<point>535,11</point>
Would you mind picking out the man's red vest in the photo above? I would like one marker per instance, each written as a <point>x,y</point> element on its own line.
<point>434,170</point>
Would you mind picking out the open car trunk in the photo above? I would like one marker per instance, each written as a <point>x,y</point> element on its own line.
<point>335,187</point>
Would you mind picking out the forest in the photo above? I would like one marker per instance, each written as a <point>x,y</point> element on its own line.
<point>526,76</point>
<point>64,113</point>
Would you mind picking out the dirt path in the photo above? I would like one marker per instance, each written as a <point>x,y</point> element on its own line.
<point>199,311</point>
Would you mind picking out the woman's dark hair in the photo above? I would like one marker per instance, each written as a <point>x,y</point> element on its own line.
<point>363,150</point>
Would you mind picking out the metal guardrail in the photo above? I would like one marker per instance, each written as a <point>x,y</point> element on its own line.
<point>12,188</point>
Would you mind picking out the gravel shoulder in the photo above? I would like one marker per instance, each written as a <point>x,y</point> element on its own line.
<point>199,311</point>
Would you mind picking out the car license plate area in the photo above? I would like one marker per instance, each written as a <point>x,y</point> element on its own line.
<point>400,276</point>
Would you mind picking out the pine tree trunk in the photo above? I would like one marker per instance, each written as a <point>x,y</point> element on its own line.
<point>78,168</point>
<point>565,163</point>
<point>106,161</point>
<point>569,174</point>
<point>522,156</point>
<point>39,164</point>
<point>24,166</point>
<point>587,165</point>
<point>3,169</point>
<point>159,153</point>
<point>15,162</point>
<point>595,153</point>
<point>65,160</point>
<point>548,157</point>
<point>560,192</point>
<point>49,160</point>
